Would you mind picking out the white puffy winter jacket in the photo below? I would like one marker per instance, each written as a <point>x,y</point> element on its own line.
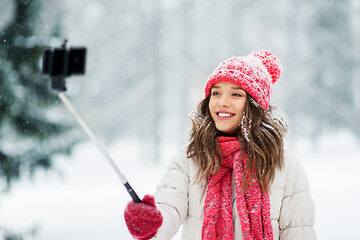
<point>181,202</point>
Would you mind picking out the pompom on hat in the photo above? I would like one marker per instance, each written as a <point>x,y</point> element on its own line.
<point>254,73</point>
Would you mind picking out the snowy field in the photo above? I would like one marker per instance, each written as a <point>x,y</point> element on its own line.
<point>85,200</point>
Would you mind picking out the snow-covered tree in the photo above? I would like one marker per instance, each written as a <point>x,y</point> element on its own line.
<point>29,135</point>
<point>331,91</point>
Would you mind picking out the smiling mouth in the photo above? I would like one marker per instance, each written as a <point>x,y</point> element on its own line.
<point>224,115</point>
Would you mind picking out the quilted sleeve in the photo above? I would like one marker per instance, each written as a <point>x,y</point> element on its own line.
<point>171,196</point>
<point>298,211</point>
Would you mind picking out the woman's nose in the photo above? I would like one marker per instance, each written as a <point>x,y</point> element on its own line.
<point>224,101</point>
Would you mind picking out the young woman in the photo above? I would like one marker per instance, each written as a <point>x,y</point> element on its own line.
<point>234,180</point>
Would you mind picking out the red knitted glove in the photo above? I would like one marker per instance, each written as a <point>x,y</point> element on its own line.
<point>143,219</point>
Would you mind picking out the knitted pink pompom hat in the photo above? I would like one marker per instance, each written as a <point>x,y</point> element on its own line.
<point>254,73</point>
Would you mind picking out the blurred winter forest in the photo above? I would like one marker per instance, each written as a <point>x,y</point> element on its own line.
<point>147,63</point>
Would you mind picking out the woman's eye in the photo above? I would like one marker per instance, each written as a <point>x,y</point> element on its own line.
<point>215,93</point>
<point>237,95</point>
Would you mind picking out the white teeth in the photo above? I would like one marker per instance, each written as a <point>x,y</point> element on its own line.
<point>224,114</point>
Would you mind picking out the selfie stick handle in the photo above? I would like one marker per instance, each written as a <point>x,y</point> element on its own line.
<point>91,135</point>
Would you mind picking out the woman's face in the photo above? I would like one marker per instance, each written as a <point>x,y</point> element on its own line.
<point>227,103</point>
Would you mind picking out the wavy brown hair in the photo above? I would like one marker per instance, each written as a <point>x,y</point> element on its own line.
<point>262,140</point>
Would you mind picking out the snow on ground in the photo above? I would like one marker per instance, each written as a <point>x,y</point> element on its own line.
<point>86,200</point>
<point>332,166</point>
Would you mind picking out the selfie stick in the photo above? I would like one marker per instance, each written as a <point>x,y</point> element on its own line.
<point>91,135</point>
<point>60,63</point>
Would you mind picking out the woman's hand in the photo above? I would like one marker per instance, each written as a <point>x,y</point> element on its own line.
<point>143,219</point>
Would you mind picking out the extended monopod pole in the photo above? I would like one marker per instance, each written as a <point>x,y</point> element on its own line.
<point>101,148</point>
<point>60,63</point>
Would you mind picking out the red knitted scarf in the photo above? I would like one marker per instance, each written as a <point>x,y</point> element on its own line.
<point>253,206</point>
